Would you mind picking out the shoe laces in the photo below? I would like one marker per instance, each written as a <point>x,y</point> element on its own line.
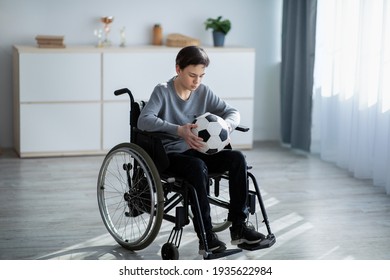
<point>249,225</point>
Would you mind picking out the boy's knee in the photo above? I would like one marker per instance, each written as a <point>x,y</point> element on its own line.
<point>238,156</point>
<point>198,168</point>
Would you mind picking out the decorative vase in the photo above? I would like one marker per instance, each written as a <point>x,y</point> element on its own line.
<point>218,38</point>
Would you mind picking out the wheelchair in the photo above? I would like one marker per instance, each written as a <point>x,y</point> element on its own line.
<point>135,195</point>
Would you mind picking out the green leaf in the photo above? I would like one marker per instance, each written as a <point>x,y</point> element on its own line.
<point>217,24</point>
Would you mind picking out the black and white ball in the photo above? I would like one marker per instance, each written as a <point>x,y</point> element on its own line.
<point>214,131</point>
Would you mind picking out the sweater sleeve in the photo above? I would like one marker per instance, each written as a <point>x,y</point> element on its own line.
<point>221,108</point>
<point>149,119</point>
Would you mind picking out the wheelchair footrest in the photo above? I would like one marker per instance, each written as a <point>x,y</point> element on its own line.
<point>265,243</point>
<point>228,252</point>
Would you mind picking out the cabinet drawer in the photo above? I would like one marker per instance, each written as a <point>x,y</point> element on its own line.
<point>116,123</point>
<point>138,71</point>
<point>231,74</point>
<point>58,128</point>
<point>59,77</point>
<point>245,107</point>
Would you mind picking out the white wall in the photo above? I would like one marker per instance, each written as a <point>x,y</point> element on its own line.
<point>255,23</point>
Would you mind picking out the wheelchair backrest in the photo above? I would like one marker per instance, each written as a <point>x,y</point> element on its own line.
<point>135,111</point>
<point>149,141</point>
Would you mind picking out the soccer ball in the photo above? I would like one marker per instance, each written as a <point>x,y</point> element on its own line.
<point>214,131</point>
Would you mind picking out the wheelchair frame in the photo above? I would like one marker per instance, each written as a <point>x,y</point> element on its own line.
<point>135,195</point>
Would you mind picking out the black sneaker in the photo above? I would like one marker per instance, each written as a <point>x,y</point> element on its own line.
<point>245,234</point>
<point>213,243</point>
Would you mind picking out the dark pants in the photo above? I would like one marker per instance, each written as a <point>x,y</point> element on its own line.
<point>194,166</point>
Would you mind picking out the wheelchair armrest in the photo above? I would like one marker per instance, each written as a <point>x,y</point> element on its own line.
<point>242,128</point>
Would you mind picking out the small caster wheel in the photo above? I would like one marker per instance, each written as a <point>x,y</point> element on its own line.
<point>169,251</point>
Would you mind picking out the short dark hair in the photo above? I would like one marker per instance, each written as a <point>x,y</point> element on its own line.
<point>192,55</point>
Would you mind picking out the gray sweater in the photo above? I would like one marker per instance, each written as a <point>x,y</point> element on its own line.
<point>166,111</point>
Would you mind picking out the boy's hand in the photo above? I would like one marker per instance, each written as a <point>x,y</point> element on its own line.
<point>191,139</point>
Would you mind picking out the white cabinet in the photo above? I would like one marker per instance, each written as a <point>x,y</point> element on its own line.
<point>64,102</point>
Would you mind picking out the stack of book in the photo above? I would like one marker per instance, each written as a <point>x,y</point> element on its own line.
<point>47,41</point>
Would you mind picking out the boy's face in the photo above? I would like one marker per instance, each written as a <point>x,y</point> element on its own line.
<point>191,76</point>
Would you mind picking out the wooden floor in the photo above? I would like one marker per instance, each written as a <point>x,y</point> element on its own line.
<point>48,210</point>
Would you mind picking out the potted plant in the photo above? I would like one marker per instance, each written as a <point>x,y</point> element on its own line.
<point>220,28</point>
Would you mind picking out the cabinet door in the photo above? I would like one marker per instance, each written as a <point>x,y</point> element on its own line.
<point>53,77</point>
<point>138,71</point>
<point>59,128</point>
<point>231,74</point>
<point>116,118</point>
<point>243,139</point>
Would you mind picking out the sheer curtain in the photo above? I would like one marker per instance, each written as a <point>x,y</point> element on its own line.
<point>351,92</point>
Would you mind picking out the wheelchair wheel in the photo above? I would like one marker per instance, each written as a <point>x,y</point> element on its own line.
<point>169,251</point>
<point>130,196</point>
